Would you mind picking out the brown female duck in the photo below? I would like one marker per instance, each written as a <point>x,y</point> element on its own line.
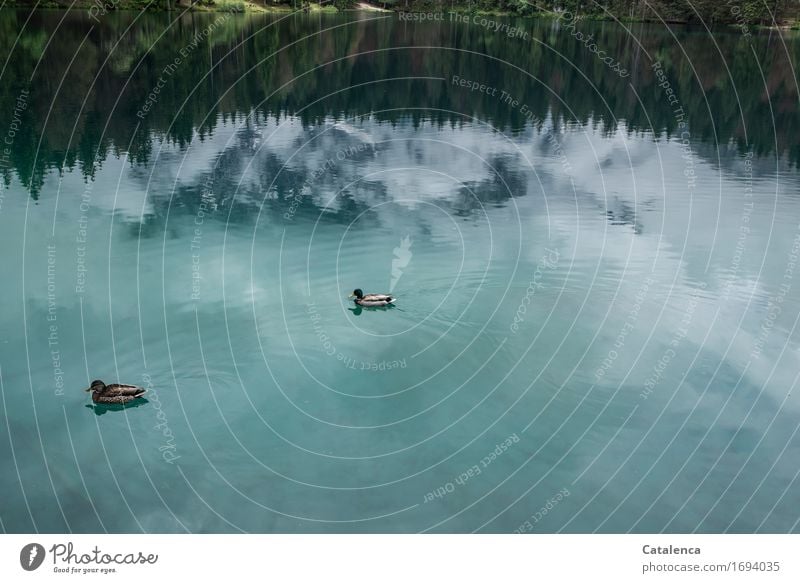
<point>114,394</point>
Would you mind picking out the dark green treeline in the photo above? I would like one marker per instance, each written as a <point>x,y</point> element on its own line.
<point>741,12</point>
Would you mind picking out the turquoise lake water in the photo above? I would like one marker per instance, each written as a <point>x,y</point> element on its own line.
<point>597,279</point>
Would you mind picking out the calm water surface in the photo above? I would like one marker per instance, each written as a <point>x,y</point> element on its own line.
<point>597,305</point>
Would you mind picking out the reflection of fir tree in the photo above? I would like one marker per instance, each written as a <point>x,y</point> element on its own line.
<point>84,109</point>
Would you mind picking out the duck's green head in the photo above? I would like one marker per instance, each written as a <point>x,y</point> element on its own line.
<point>357,293</point>
<point>96,386</point>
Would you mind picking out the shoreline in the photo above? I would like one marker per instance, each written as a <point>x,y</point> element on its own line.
<point>790,25</point>
<point>247,7</point>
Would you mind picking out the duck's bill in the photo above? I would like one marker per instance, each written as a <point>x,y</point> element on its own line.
<point>351,296</point>
<point>87,390</point>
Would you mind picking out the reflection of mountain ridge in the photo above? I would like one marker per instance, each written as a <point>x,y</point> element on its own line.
<point>311,175</point>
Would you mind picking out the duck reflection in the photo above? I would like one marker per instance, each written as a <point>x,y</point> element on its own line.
<point>102,409</point>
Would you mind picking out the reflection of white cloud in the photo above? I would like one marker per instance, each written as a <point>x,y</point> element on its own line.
<point>411,164</point>
<point>689,235</point>
<point>111,191</point>
<point>409,181</point>
<point>355,132</point>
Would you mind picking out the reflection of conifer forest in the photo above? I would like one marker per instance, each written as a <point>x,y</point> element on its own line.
<point>84,96</point>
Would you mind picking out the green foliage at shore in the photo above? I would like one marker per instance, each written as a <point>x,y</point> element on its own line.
<point>105,6</point>
<point>753,12</point>
<point>710,12</point>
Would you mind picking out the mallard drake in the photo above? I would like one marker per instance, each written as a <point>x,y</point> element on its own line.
<point>371,300</point>
<point>114,394</point>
